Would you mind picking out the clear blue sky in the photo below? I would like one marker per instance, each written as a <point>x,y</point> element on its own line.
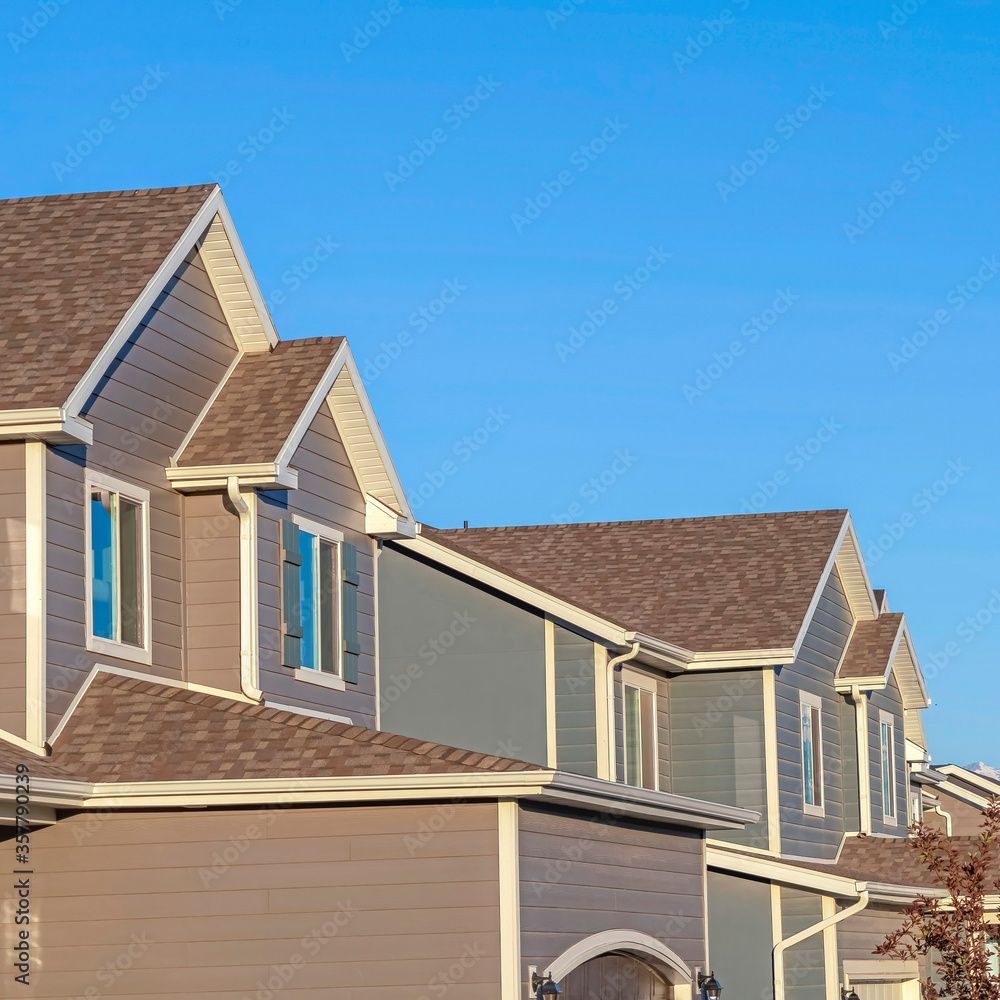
<point>537,166</point>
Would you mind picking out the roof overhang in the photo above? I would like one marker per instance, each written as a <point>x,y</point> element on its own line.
<point>263,475</point>
<point>987,785</point>
<point>53,424</point>
<point>608,798</point>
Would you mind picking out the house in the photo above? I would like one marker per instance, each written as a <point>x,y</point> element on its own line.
<point>953,798</point>
<point>198,793</point>
<point>742,659</point>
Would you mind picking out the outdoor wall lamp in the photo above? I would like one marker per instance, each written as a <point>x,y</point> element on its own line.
<point>543,986</point>
<point>848,995</point>
<point>709,986</point>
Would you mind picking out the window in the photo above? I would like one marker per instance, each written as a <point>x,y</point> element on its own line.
<point>811,716</point>
<point>319,602</point>
<point>117,568</point>
<point>639,717</point>
<point>887,742</point>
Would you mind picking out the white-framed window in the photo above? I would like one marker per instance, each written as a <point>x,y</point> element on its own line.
<point>319,603</point>
<point>887,753</point>
<point>639,722</point>
<point>117,573</point>
<point>811,724</point>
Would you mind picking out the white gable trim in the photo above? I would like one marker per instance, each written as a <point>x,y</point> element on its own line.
<point>203,218</point>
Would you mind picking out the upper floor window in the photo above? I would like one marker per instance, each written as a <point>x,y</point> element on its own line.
<point>117,525</point>
<point>811,716</point>
<point>319,601</point>
<point>639,719</point>
<point>887,742</point>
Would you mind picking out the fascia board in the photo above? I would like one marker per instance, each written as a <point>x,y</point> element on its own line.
<point>963,773</point>
<point>214,477</point>
<point>47,423</point>
<point>774,871</point>
<point>818,592</point>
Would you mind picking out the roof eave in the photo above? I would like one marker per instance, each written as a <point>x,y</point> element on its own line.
<point>263,475</point>
<point>52,424</point>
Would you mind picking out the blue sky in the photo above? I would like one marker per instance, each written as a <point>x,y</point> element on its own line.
<point>604,260</point>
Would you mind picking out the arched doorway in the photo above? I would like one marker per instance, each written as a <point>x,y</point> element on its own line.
<point>615,977</point>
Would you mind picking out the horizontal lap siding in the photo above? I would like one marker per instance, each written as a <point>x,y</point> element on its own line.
<point>575,705</point>
<point>155,389</point>
<point>224,896</point>
<point>328,493</point>
<point>889,701</point>
<point>814,671</point>
<point>12,582</point>
<point>805,962</point>
<point>858,936</point>
<point>584,873</point>
<point>717,744</point>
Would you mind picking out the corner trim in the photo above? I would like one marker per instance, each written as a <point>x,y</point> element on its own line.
<point>508,875</point>
<point>35,588</point>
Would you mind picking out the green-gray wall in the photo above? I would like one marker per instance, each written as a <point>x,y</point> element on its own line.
<point>739,935</point>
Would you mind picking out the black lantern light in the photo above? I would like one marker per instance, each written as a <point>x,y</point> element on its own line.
<point>709,986</point>
<point>848,995</point>
<point>543,986</point>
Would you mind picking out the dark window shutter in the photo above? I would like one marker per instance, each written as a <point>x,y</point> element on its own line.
<point>291,611</point>
<point>349,591</point>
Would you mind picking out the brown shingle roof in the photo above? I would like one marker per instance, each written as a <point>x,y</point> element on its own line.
<point>126,729</point>
<point>704,583</point>
<point>868,652</point>
<point>70,267</point>
<point>254,413</point>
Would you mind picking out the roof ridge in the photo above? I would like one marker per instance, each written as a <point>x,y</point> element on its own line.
<point>124,193</point>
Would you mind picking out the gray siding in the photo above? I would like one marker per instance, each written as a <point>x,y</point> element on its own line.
<point>12,597</point>
<point>153,392</point>
<point>575,703</point>
<point>717,744</point>
<point>805,964</point>
<point>849,750</point>
<point>220,897</point>
<point>585,873</point>
<point>739,933</point>
<point>458,664</point>
<point>212,591</point>
<point>890,701</point>
<point>329,493</point>
<point>858,936</point>
<point>814,671</point>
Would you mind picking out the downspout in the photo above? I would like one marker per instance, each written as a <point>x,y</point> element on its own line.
<point>624,658</point>
<point>946,816</point>
<point>778,954</point>
<point>609,670</point>
<point>248,591</point>
<point>864,777</point>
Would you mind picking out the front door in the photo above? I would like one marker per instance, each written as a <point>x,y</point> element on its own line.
<point>614,977</point>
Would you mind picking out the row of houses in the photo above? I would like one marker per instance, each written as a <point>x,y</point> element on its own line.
<point>272,737</point>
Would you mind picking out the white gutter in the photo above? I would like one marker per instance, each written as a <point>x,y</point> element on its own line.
<point>946,816</point>
<point>864,777</point>
<point>249,673</point>
<point>778,954</point>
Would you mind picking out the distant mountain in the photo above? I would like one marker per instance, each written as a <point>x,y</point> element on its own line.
<point>986,770</point>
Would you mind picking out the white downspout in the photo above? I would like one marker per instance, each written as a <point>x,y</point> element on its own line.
<point>248,591</point>
<point>609,670</point>
<point>778,954</point>
<point>864,777</point>
<point>946,816</point>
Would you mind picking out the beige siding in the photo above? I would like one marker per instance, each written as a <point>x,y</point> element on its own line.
<point>212,591</point>
<point>328,493</point>
<point>12,597</point>
<point>225,899</point>
<point>151,396</point>
<point>966,820</point>
<point>582,874</point>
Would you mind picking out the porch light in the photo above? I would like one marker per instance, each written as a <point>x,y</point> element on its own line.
<point>709,986</point>
<point>543,986</point>
<point>845,995</point>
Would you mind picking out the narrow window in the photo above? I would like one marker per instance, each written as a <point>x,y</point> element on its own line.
<point>640,733</point>
<point>117,577</point>
<point>811,715</point>
<point>887,729</point>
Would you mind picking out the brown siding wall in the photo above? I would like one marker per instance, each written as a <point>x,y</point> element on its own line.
<point>215,904</point>
<point>212,591</point>
<point>12,598</point>
<point>581,874</point>
<point>328,493</point>
<point>153,393</point>
<point>966,820</point>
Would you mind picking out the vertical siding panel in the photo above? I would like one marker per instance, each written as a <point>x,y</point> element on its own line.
<point>12,587</point>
